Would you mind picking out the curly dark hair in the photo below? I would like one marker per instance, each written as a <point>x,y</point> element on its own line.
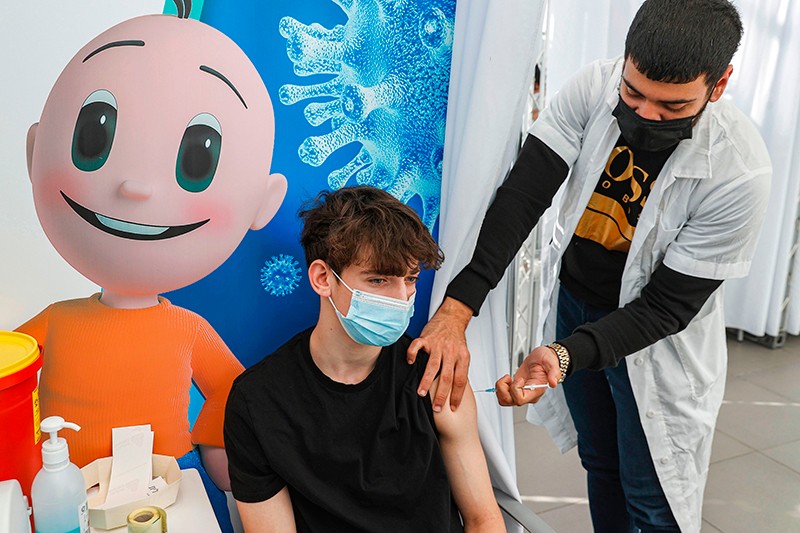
<point>369,226</point>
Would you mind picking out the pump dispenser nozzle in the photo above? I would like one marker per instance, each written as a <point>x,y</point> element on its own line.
<point>55,453</point>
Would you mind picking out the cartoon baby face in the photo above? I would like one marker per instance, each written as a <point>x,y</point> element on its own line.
<point>152,156</point>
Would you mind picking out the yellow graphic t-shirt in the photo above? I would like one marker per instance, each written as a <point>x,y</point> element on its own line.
<point>593,263</point>
<point>613,211</point>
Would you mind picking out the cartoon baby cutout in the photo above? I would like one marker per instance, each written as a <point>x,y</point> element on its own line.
<point>149,164</point>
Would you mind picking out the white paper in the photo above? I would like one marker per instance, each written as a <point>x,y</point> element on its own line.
<point>156,485</point>
<point>132,465</point>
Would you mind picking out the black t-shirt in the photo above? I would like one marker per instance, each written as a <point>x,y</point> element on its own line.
<point>361,457</point>
<point>593,262</point>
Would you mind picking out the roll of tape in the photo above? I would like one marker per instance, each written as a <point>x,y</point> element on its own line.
<point>148,520</point>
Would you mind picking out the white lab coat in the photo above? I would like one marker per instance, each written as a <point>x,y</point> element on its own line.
<point>702,218</point>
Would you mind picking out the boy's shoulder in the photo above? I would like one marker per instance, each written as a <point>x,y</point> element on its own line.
<point>404,371</point>
<point>275,366</point>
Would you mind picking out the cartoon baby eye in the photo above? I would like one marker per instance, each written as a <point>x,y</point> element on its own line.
<point>199,152</point>
<point>94,131</point>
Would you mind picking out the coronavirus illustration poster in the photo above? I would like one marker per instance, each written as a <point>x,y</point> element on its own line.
<point>359,91</point>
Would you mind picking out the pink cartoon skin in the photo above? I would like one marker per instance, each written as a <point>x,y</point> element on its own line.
<point>151,161</point>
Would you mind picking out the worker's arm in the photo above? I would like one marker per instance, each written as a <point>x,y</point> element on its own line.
<point>520,201</point>
<point>667,304</point>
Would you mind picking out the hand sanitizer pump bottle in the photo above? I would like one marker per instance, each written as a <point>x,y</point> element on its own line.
<point>59,492</point>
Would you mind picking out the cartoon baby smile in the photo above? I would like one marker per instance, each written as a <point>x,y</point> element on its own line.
<point>127,229</point>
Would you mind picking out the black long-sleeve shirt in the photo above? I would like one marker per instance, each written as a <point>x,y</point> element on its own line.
<point>666,305</point>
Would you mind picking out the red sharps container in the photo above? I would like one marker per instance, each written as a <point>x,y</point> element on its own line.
<point>20,436</point>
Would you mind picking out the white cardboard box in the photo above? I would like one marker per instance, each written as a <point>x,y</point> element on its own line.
<point>98,472</point>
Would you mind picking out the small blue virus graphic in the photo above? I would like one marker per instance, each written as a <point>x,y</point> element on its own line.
<point>280,275</point>
<point>391,67</point>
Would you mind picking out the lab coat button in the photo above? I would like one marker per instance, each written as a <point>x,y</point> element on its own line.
<point>638,361</point>
<point>651,414</point>
<point>664,460</point>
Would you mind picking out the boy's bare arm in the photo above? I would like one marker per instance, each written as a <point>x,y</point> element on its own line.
<point>466,465</point>
<point>216,464</point>
<point>270,516</point>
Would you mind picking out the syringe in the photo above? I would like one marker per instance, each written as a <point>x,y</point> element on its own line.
<point>526,387</point>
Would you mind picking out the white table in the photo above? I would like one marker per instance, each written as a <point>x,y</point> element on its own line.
<point>191,512</point>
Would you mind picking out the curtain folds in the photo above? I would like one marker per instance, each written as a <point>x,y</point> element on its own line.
<point>495,44</point>
<point>766,74</point>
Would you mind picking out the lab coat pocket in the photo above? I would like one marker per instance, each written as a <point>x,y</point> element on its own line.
<point>698,349</point>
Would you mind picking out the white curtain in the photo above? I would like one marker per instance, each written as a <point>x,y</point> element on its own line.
<point>581,31</point>
<point>764,86</point>
<point>494,47</point>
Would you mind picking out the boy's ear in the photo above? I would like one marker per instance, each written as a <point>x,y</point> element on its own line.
<point>29,142</point>
<point>318,274</point>
<point>274,194</point>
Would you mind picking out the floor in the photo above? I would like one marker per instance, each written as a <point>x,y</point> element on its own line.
<point>754,477</point>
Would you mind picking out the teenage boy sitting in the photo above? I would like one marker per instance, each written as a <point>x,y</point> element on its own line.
<point>328,433</point>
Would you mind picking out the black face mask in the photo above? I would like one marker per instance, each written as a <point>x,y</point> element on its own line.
<point>651,135</point>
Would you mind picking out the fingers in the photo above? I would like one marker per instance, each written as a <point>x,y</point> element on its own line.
<point>434,361</point>
<point>517,392</point>
<point>414,348</point>
<point>445,383</point>
<point>460,380</point>
<point>502,389</point>
<point>521,396</point>
<point>506,391</point>
<point>539,366</point>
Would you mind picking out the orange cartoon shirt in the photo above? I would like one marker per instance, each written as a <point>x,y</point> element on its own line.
<point>124,367</point>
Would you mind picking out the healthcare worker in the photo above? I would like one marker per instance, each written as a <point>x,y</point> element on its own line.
<point>662,187</point>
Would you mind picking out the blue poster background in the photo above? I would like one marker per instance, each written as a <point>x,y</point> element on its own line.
<point>359,92</point>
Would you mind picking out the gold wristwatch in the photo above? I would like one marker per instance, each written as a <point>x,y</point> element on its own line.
<point>563,358</point>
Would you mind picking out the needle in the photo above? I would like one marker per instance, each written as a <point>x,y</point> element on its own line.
<point>526,387</point>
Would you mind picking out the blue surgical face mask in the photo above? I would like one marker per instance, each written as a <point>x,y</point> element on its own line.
<point>375,320</point>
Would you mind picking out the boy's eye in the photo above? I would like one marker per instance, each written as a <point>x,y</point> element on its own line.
<point>412,279</point>
<point>199,153</point>
<point>376,281</point>
<point>94,131</point>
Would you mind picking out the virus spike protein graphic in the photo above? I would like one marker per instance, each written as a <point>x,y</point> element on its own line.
<point>280,275</point>
<point>391,62</point>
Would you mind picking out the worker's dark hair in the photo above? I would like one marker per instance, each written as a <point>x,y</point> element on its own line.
<point>676,41</point>
<point>369,226</point>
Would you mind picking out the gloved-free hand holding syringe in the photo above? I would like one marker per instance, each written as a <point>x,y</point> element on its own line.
<point>58,493</point>
<point>526,387</point>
